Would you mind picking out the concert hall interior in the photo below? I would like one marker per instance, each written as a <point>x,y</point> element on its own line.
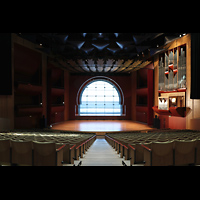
<point>71,91</point>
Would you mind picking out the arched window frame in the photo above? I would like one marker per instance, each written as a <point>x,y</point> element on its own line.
<point>96,78</point>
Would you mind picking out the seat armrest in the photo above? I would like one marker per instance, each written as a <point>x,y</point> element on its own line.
<point>60,148</point>
<point>148,149</point>
<point>131,147</point>
<point>147,156</point>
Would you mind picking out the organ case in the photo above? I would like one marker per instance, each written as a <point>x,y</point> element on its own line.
<point>172,69</point>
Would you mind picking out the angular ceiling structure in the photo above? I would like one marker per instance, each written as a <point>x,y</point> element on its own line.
<point>101,52</point>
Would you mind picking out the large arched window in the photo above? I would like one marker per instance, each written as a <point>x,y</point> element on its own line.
<point>100,97</point>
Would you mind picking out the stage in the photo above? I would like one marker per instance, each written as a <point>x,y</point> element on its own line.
<point>100,126</point>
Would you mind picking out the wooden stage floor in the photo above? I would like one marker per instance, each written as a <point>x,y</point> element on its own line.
<point>100,125</point>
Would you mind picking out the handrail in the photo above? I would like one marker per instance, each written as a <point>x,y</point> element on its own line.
<point>148,149</point>
<point>61,147</point>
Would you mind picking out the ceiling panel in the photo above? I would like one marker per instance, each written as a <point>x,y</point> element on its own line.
<point>101,52</point>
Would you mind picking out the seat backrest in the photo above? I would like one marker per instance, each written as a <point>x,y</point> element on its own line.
<point>65,151</point>
<point>184,147</point>
<point>184,152</point>
<point>162,148</point>
<point>44,153</point>
<point>162,153</point>
<point>198,152</point>
<point>22,152</point>
<point>5,151</point>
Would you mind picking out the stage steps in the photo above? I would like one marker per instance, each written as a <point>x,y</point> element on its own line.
<point>101,154</point>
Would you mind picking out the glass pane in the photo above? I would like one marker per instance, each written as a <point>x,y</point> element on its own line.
<point>100,98</point>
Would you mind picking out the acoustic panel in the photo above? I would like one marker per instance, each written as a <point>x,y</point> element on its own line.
<point>6,64</point>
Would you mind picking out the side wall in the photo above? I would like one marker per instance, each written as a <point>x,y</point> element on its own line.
<point>28,102</point>
<point>192,120</point>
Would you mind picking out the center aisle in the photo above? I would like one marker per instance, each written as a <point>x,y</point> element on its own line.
<point>101,154</point>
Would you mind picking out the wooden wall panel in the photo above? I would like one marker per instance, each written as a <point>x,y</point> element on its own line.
<point>193,104</point>
<point>150,96</point>
<point>66,95</point>
<point>44,85</point>
<point>156,73</point>
<point>133,95</point>
<point>7,101</point>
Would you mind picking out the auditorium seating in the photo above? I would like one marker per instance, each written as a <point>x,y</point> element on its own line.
<point>40,148</point>
<point>184,152</point>
<point>22,152</point>
<point>5,151</point>
<point>46,154</point>
<point>159,154</point>
<point>158,148</point>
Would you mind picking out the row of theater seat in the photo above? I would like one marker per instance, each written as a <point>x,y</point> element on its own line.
<point>178,148</point>
<point>22,149</point>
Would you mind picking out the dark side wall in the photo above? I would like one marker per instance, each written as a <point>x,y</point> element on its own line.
<point>75,82</point>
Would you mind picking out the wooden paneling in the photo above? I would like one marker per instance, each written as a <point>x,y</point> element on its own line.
<point>44,85</point>
<point>194,104</point>
<point>7,102</point>
<point>150,96</point>
<point>156,73</point>
<point>66,95</point>
<point>133,95</point>
<point>6,112</point>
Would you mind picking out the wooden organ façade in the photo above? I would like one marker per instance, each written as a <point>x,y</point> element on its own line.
<point>172,83</point>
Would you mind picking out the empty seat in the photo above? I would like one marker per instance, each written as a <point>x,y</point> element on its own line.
<point>22,152</point>
<point>159,154</point>
<point>139,152</point>
<point>131,154</point>
<point>46,154</point>
<point>197,152</point>
<point>66,151</point>
<point>184,152</point>
<point>5,152</point>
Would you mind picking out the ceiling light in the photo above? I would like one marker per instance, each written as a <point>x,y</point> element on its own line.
<point>116,34</point>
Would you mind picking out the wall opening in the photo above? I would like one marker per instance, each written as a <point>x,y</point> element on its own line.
<point>100,96</point>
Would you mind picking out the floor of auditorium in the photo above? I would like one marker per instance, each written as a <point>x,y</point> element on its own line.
<point>100,125</point>
<point>102,154</point>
